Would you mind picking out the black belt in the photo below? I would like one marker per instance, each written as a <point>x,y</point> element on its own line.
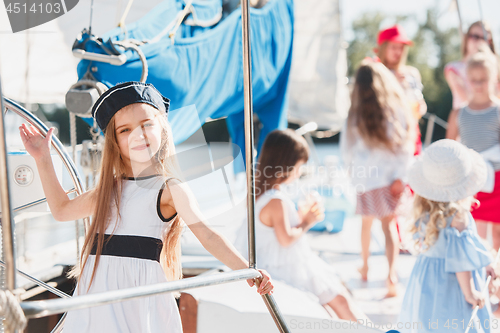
<point>130,246</point>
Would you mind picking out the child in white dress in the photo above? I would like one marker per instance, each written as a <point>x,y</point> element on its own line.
<point>281,246</point>
<point>377,145</point>
<point>138,209</point>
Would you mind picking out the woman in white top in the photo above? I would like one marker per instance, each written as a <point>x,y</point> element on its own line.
<point>377,146</point>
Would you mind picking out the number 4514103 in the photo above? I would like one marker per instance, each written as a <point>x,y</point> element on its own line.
<point>40,8</point>
<point>462,324</point>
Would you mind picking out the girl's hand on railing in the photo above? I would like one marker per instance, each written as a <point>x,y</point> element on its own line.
<point>490,270</point>
<point>36,145</point>
<point>475,299</point>
<point>264,284</point>
<point>492,287</point>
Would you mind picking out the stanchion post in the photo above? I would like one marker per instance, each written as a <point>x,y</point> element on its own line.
<point>249,144</point>
<point>6,220</point>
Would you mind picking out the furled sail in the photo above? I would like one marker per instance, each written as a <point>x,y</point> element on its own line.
<point>318,80</point>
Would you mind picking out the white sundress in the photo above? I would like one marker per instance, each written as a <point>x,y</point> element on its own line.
<point>296,264</point>
<point>139,216</point>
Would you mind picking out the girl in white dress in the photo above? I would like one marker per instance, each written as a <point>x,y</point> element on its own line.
<point>281,248</point>
<point>130,242</point>
<point>377,145</point>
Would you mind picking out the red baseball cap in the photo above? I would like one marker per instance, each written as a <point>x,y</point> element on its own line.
<point>394,34</point>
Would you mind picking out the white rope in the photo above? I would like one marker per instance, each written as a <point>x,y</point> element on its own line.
<point>121,24</point>
<point>185,12</point>
<point>12,312</point>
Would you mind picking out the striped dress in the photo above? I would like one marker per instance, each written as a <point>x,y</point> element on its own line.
<point>480,130</point>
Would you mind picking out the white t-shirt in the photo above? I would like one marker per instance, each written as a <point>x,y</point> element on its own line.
<point>371,168</point>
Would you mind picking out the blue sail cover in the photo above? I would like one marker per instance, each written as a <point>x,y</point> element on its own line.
<point>204,66</point>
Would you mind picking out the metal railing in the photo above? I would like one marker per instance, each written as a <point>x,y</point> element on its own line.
<point>9,105</point>
<point>37,309</point>
<point>34,203</point>
<point>39,283</point>
<point>432,119</point>
<point>59,148</point>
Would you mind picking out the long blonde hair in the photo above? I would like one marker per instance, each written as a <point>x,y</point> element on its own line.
<point>436,214</point>
<point>108,194</point>
<point>376,100</point>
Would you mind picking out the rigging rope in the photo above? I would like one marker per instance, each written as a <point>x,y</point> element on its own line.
<point>185,12</point>
<point>485,34</point>
<point>91,14</point>
<point>11,311</point>
<point>121,24</point>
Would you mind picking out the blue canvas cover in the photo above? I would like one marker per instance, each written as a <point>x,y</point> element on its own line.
<point>204,66</point>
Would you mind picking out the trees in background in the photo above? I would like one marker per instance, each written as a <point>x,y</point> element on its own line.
<point>432,49</point>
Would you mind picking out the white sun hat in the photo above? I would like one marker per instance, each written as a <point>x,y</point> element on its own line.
<point>447,171</point>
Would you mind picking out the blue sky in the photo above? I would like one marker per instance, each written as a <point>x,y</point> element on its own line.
<point>469,9</point>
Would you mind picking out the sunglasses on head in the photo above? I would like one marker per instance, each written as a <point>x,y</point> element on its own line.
<point>476,37</point>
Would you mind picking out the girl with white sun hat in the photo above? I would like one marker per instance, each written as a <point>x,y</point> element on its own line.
<point>453,263</point>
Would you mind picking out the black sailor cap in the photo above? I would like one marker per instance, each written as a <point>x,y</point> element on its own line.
<point>123,94</point>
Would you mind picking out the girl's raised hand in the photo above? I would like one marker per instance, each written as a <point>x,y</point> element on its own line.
<point>34,142</point>
<point>264,284</point>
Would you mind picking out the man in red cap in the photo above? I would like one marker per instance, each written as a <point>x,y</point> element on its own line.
<point>392,51</point>
<point>394,34</point>
<point>392,48</point>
